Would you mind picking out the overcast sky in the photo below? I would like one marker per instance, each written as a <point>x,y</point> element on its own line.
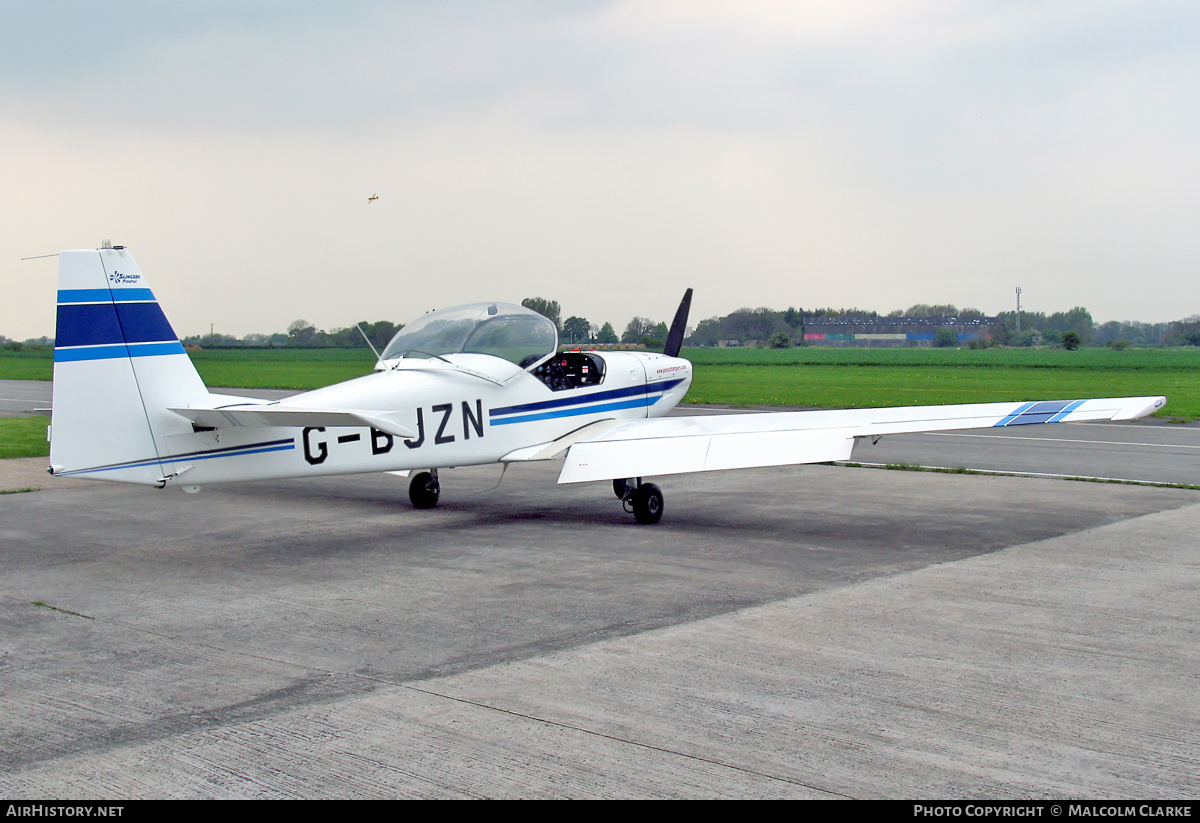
<point>603,154</point>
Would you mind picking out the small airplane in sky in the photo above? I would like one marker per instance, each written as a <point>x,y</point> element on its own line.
<point>476,384</point>
<point>372,197</point>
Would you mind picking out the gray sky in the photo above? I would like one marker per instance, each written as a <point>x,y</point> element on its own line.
<point>603,154</point>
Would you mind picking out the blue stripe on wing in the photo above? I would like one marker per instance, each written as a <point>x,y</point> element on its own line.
<point>1046,411</point>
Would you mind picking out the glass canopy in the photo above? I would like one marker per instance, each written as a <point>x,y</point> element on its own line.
<point>513,333</point>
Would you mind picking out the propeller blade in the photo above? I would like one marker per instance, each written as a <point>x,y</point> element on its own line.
<point>678,326</point>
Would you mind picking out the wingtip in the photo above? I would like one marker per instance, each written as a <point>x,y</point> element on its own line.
<point>1144,407</point>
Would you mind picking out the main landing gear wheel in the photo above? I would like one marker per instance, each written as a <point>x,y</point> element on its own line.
<point>623,486</point>
<point>647,502</point>
<point>424,490</point>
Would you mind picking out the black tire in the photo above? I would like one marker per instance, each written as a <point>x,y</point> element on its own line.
<point>424,490</point>
<point>647,504</point>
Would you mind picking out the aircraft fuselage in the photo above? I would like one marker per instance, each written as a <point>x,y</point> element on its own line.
<point>457,419</point>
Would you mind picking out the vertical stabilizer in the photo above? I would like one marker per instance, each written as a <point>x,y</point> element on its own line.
<point>118,365</point>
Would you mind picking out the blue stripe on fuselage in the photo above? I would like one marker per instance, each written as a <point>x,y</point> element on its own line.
<point>579,400</point>
<point>637,402</point>
<point>204,454</point>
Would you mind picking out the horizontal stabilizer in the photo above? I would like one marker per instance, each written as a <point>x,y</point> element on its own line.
<point>275,415</point>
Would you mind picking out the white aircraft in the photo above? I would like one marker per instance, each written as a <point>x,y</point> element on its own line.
<point>476,384</point>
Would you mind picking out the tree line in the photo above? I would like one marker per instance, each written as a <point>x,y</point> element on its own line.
<point>1071,328</point>
<point>579,330</point>
<point>302,334</point>
<point>762,325</point>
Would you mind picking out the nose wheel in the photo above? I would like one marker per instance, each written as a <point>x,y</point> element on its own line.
<point>643,500</point>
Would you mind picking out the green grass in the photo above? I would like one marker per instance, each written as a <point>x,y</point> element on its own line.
<point>240,368</point>
<point>1089,359</point>
<point>23,437</point>
<point>30,364</point>
<point>830,386</point>
<point>280,368</point>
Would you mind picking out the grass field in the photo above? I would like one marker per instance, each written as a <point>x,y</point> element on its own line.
<point>808,376</point>
<point>868,386</point>
<point>1087,359</point>
<point>23,437</point>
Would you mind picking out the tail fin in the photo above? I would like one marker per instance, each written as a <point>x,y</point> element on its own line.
<point>118,365</point>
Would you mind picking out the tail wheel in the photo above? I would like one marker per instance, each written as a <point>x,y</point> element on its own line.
<point>647,502</point>
<point>424,490</point>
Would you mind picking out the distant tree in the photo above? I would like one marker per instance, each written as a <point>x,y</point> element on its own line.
<point>1070,341</point>
<point>780,340</point>
<point>638,328</point>
<point>607,334</point>
<point>1001,333</point>
<point>347,338</point>
<point>576,329</point>
<point>1184,332</point>
<point>301,333</point>
<point>381,332</point>
<point>1078,320</point>
<point>936,310</point>
<point>1106,333</point>
<point>218,341</point>
<point>707,332</point>
<point>945,337</point>
<point>546,308</point>
<point>852,312</point>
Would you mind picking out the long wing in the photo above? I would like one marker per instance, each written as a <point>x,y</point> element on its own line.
<point>675,445</point>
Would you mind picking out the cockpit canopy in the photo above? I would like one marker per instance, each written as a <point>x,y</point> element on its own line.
<point>513,333</point>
